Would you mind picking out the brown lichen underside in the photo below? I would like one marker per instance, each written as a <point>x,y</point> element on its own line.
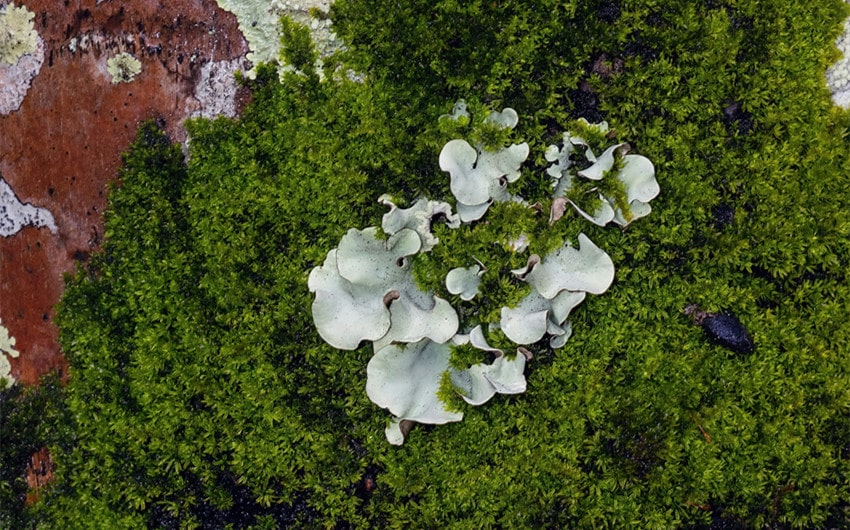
<point>59,150</point>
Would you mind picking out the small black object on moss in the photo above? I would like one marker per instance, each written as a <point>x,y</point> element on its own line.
<point>723,329</point>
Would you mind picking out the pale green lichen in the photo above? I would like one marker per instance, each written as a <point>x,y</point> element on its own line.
<point>7,347</point>
<point>481,381</point>
<point>405,378</point>
<point>123,68</point>
<point>459,114</point>
<point>259,22</point>
<point>464,281</point>
<point>480,176</point>
<point>418,217</point>
<point>622,198</point>
<point>560,282</point>
<point>365,289</point>
<point>17,34</point>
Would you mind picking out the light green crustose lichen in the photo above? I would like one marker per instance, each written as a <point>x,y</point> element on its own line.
<point>7,347</point>
<point>259,22</point>
<point>123,68</point>
<point>17,34</point>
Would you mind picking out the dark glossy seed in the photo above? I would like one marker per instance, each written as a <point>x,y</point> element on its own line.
<point>726,330</point>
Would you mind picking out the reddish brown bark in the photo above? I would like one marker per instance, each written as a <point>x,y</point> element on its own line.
<point>39,473</point>
<point>62,147</point>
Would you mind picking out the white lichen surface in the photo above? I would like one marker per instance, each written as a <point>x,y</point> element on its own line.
<point>838,75</point>
<point>14,215</point>
<point>21,56</point>
<point>123,68</point>
<point>636,176</point>
<point>480,177</point>
<point>7,348</point>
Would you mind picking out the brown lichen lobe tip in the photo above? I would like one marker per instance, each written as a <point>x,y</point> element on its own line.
<point>390,296</point>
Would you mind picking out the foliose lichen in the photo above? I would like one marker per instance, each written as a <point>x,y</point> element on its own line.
<point>625,182</point>
<point>21,56</point>
<point>838,75</point>
<point>17,34</point>
<point>123,68</point>
<point>365,290</point>
<point>7,348</point>
<point>259,22</point>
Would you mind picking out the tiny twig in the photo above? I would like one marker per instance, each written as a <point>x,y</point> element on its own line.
<point>703,507</point>
<point>702,430</point>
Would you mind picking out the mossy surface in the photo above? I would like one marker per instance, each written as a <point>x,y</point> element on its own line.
<point>30,418</point>
<point>202,394</point>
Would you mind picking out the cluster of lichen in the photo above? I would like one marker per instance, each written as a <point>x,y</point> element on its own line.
<point>200,390</point>
<point>17,33</point>
<point>366,290</point>
<point>7,349</point>
<point>123,68</point>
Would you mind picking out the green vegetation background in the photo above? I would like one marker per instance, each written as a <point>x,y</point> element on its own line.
<point>200,394</point>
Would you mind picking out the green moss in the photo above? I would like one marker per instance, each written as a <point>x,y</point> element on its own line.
<point>464,356</point>
<point>448,393</point>
<point>31,418</point>
<point>296,46</point>
<point>195,366</point>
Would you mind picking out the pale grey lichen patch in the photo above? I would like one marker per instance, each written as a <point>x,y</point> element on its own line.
<point>838,75</point>
<point>7,348</point>
<point>588,268</point>
<point>15,216</point>
<point>123,68</point>
<point>366,291</point>
<point>21,56</point>
<point>479,176</point>
<point>464,281</point>
<point>321,29</point>
<point>216,89</point>
<point>480,382</point>
<point>419,218</point>
<point>258,22</point>
<point>94,41</point>
<point>459,113</point>
<point>559,283</point>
